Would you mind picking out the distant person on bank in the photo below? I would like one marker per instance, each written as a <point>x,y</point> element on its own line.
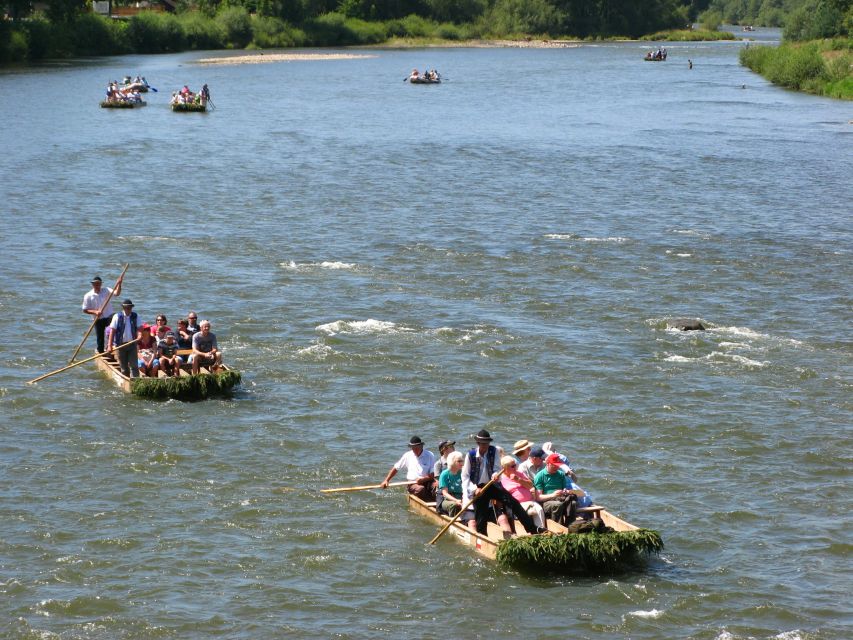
<point>419,464</point>
<point>94,300</point>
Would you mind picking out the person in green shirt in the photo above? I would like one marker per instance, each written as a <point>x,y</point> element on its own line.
<point>555,493</point>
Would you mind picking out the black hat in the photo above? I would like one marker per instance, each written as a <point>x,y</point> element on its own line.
<point>415,441</point>
<point>483,436</point>
<point>444,444</point>
<point>96,279</point>
<point>127,302</point>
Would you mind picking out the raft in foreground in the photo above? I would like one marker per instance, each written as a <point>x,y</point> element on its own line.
<point>186,387</point>
<point>560,552</point>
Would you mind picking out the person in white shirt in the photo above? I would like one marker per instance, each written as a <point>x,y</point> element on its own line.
<point>419,465</point>
<point>92,303</point>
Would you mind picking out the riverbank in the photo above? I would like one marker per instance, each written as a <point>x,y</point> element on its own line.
<point>819,67</point>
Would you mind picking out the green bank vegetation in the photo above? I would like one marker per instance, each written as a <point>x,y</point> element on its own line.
<point>689,35</point>
<point>69,28</point>
<point>816,55</point>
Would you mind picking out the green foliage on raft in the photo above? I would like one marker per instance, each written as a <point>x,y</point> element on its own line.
<point>579,553</point>
<point>199,387</point>
<point>189,106</point>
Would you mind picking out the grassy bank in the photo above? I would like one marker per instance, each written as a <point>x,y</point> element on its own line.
<point>821,67</point>
<point>689,35</point>
<point>87,34</point>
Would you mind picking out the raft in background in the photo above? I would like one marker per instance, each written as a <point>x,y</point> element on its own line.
<point>122,104</point>
<point>189,106</point>
<point>186,387</point>
<point>561,552</point>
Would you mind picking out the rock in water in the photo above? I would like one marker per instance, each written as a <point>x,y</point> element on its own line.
<point>685,324</point>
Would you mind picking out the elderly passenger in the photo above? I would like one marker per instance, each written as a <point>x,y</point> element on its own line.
<point>520,487</point>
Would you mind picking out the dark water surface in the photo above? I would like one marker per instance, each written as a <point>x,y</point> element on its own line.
<point>382,260</point>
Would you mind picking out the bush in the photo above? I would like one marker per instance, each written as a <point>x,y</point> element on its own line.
<point>40,37</point>
<point>237,26</point>
<point>149,32</point>
<point>14,44</point>
<point>524,16</point>
<point>272,32</point>
<point>95,35</point>
<point>710,20</point>
<point>202,31</point>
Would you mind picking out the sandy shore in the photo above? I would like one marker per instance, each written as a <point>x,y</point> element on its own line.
<point>260,58</point>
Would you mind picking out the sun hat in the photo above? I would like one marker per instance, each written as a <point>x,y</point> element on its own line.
<point>415,441</point>
<point>537,452</point>
<point>127,302</point>
<point>145,327</point>
<point>553,459</point>
<point>520,446</point>
<point>96,279</point>
<point>170,334</point>
<point>483,436</point>
<point>444,444</point>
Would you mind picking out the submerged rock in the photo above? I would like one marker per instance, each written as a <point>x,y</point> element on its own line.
<point>685,324</point>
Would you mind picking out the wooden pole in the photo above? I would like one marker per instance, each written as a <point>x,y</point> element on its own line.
<point>465,508</point>
<point>97,317</point>
<point>79,362</point>
<point>367,486</point>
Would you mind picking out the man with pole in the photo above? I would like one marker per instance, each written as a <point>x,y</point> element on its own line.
<point>124,334</point>
<point>96,303</point>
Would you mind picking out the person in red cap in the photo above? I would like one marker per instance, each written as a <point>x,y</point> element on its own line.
<point>148,363</point>
<point>555,493</point>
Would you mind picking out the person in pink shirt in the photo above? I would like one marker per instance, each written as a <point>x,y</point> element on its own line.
<point>520,487</point>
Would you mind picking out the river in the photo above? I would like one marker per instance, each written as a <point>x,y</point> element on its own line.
<point>382,260</point>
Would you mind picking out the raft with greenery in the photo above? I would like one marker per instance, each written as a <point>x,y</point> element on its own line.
<point>197,387</point>
<point>120,104</point>
<point>187,386</point>
<point>580,553</point>
<point>603,543</point>
<point>189,106</point>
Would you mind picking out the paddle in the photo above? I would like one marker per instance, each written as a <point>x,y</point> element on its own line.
<point>100,311</point>
<point>367,486</point>
<point>79,362</point>
<point>465,508</point>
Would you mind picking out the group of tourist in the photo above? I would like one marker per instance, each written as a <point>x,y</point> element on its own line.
<point>427,76</point>
<point>532,484</point>
<point>127,93</point>
<point>147,349</point>
<point>660,54</point>
<point>186,96</point>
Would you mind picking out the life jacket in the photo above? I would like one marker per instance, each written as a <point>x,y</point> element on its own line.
<point>474,463</point>
<point>119,330</point>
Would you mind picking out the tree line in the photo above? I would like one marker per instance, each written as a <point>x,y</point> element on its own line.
<point>68,27</point>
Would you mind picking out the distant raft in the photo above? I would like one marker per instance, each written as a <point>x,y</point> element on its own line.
<point>184,387</point>
<point>121,103</point>
<point>427,77</point>
<point>187,101</point>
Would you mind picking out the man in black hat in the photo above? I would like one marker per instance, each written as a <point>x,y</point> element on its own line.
<point>480,465</point>
<point>92,303</point>
<point>419,465</point>
<point>125,331</point>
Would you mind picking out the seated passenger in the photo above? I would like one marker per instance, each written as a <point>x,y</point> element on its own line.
<point>534,464</point>
<point>205,350</point>
<point>147,360</point>
<point>449,497</point>
<point>185,338</point>
<point>167,351</point>
<point>557,499</point>
<point>520,487</point>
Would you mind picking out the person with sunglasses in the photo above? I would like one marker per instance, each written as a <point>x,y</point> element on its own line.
<point>520,487</point>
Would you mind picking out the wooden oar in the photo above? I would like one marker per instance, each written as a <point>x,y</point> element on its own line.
<point>465,508</point>
<point>79,362</point>
<point>98,317</point>
<point>368,486</point>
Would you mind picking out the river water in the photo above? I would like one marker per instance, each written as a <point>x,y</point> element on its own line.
<point>382,260</point>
